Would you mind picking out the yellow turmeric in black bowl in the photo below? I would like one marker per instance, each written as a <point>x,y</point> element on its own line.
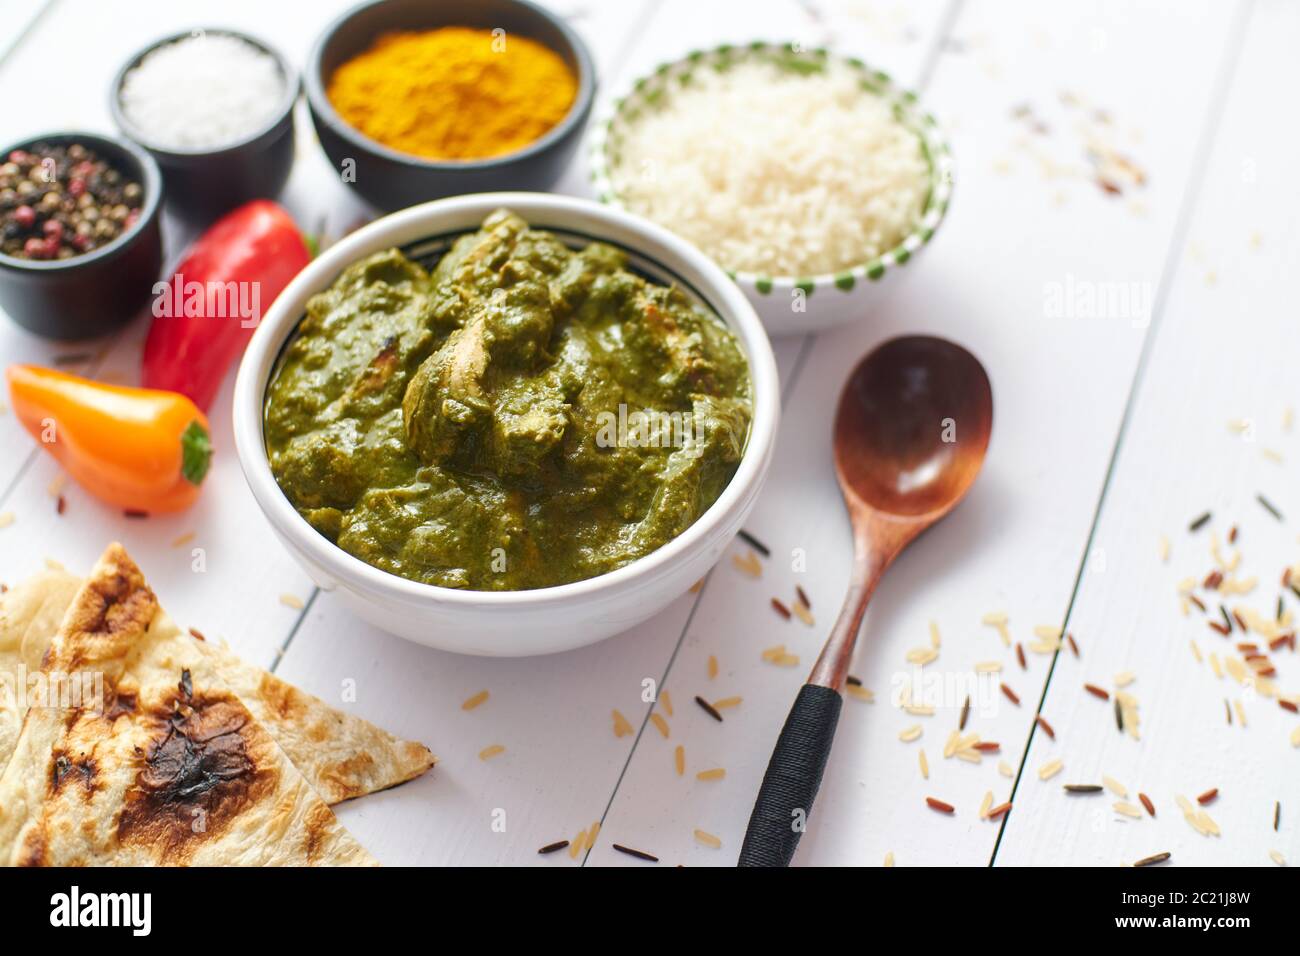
<point>454,93</point>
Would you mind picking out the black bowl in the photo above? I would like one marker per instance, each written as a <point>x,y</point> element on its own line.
<point>393,180</point>
<point>204,183</point>
<point>94,293</point>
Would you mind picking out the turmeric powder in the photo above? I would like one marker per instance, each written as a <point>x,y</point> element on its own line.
<point>454,93</point>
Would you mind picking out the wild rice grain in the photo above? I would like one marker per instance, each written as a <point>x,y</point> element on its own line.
<point>754,543</point>
<point>965,713</point>
<point>1010,695</point>
<point>1047,728</point>
<point>1268,506</point>
<point>803,597</point>
<point>1152,860</point>
<point>1096,691</point>
<point>708,708</point>
<point>1020,656</point>
<point>939,805</point>
<point>552,847</point>
<point>780,608</point>
<point>1074,648</point>
<point>639,854</point>
<point>1207,796</point>
<point>999,810</point>
<point>1199,523</point>
<point>1083,788</point>
<point>1146,802</point>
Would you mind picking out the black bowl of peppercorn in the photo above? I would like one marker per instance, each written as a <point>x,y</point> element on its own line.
<point>80,244</point>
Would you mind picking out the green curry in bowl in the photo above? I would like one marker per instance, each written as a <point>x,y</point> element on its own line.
<point>525,415</point>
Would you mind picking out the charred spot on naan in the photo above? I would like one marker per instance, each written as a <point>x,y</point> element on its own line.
<point>120,703</point>
<point>73,770</point>
<point>206,763</point>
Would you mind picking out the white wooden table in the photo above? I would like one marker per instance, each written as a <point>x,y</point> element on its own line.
<point>1112,429</point>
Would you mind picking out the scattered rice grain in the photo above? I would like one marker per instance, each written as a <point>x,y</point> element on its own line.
<point>707,839</point>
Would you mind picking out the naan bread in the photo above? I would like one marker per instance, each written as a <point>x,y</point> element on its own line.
<point>29,615</point>
<point>173,770</point>
<point>342,756</point>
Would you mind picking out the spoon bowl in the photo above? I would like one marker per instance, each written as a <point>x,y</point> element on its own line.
<point>912,427</point>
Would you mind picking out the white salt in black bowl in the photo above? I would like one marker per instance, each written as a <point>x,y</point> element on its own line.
<point>204,183</point>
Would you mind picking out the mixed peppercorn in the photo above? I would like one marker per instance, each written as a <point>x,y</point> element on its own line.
<point>57,202</point>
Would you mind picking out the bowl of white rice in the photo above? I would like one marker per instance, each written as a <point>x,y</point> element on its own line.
<point>808,176</point>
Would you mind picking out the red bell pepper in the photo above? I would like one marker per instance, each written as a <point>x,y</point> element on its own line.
<point>205,315</point>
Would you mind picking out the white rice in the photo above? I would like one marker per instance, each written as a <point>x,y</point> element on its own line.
<point>774,172</point>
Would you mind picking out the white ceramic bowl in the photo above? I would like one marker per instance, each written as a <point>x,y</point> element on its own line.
<point>513,623</point>
<point>823,300</point>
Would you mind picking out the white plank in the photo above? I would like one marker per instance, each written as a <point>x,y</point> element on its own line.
<point>552,714</point>
<point>1224,350</point>
<point>1059,388</point>
<point>18,20</point>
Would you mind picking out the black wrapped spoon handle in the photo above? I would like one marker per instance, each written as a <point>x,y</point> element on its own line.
<point>794,774</point>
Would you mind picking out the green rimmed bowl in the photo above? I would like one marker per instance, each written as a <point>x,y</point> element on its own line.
<point>794,304</point>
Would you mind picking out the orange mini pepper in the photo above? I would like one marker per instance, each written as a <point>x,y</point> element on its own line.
<point>140,449</point>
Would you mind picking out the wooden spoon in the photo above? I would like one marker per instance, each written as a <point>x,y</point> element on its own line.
<point>910,434</point>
